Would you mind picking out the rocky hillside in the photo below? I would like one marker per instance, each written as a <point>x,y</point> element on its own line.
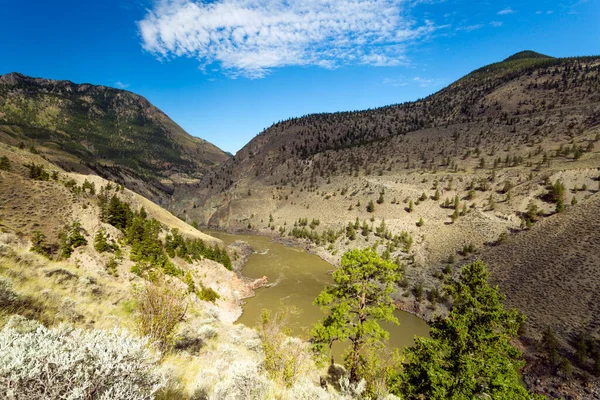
<point>96,129</point>
<point>431,183</point>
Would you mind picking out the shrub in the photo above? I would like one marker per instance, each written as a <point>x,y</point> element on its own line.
<point>66,363</point>
<point>286,358</point>
<point>111,267</point>
<point>207,332</point>
<point>350,389</point>
<point>208,294</point>
<point>8,298</point>
<point>38,244</point>
<point>160,310</point>
<point>243,382</point>
<point>306,390</point>
<point>371,207</point>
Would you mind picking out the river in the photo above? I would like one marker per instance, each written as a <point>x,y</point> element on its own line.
<point>297,278</point>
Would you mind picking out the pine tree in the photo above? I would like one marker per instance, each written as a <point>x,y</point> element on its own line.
<point>370,206</point>
<point>355,304</point>
<point>491,202</point>
<point>100,242</point>
<point>38,243</point>
<point>4,163</point>
<point>350,232</point>
<point>468,354</point>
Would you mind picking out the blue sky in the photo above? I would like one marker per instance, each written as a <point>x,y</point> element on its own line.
<point>226,69</point>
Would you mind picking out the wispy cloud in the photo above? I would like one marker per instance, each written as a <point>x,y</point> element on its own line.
<point>122,85</point>
<point>506,11</point>
<point>401,81</point>
<point>470,28</point>
<point>428,82</point>
<point>395,82</point>
<point>496,24</point>
<point>251,37</point>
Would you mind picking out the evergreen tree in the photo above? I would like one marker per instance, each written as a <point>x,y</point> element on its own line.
<point>355,304</point>
<point>350,232</point>
<point>370,206</point>
<point>38,243</point>
<point>70,238</point>
<point>560,205</point>
<point>4,163</point>
<point>468,354</point>
<point>100,242</point>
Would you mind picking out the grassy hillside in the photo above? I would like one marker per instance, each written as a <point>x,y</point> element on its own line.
<point>114,293</point>
<point>111,132</point>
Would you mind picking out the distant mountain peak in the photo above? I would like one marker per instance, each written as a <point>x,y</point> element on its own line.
<point>11,78</point>
<point>526,54</point>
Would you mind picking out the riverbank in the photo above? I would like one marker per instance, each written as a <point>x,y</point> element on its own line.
<point>296,275</point>
<point>406,304</point>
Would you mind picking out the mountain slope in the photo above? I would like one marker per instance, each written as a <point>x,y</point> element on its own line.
<point>430,183</point>
<point>550,272</point>
<point>523,102</point>
<point>114,133</point>
<point>506,98</point>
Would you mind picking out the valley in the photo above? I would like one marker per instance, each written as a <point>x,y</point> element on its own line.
<point>107,205</point>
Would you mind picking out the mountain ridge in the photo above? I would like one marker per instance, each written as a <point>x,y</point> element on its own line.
<point>98,129</point>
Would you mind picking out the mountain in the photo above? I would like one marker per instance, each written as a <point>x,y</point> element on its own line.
<point>507,108</point>
<point>97,129</point>
<point>527,54</point>
<point>433,183</point>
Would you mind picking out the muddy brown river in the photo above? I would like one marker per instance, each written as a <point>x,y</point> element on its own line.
<point>297,278</point>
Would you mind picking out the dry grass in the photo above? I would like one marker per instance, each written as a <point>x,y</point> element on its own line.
<point>160,310</point>
<point>550,272</point>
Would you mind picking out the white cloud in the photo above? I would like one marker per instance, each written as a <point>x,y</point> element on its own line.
<point>470,28</point>
<point>251,37</point>
<point>121,85</point>
<point>506,11</point>
<point>414,81</point>
<point>428,82</point>
<point>395,82</point>
<point>496,24</point>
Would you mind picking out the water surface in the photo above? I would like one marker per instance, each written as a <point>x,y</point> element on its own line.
<point>298,278</point>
